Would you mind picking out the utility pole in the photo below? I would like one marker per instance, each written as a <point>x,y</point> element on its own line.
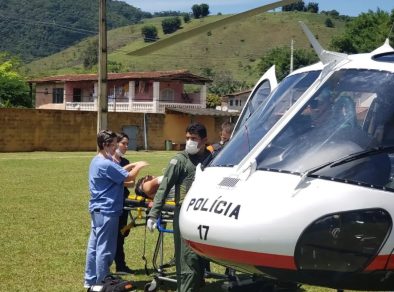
<point>291,55</point>
<point>102,105</point>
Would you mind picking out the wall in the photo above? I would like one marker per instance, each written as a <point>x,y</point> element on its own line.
<point>57,130</point>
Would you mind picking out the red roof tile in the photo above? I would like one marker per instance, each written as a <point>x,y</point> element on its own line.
<point>183,75</point>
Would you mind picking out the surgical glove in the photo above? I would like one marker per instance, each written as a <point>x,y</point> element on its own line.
<point>151,224</point>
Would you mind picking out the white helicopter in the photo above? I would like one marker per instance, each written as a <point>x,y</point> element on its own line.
<point>304,190</point>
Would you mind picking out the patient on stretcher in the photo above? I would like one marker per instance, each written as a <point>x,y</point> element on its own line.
<point>147,186</point>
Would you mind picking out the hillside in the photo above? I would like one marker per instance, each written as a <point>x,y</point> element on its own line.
<point>235,47</point>
<point>36,28</point>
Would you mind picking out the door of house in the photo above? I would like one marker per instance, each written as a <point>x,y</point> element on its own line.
<point>131,131</point>
<point>77,94</point>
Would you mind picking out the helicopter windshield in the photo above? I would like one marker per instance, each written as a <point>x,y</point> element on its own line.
<point>351,113</point>
<point>264,117</point>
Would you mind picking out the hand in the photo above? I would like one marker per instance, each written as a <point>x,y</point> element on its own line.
<point>151,224</point>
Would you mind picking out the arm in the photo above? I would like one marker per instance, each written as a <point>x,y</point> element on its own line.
<point>170,177</point>
<point>130,180</point>
<point>130,166</point>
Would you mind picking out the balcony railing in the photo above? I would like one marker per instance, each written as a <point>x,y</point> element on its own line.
<point>140,107</point>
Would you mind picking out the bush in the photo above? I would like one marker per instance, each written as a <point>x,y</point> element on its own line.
<point>149,32</point>
<point>171,25</point>
<point>329,23</point>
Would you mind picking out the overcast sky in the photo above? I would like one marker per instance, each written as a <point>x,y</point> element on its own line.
<point>345,7</point>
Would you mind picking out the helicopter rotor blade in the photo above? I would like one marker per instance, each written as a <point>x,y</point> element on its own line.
<point>201,29</point>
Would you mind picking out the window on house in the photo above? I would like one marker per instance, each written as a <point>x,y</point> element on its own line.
<point>236,102</point>
<point>77,95</point>
<point>57,95</point>
<point>231,102</point>
<point>167,94</point>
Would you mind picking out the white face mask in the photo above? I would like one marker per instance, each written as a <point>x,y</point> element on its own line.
<point>192,147</point>
<point>119,153</point>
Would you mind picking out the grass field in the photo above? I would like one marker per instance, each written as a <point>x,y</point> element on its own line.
<point>45,223</point>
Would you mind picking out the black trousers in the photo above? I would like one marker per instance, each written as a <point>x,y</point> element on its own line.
<point>120,255</point>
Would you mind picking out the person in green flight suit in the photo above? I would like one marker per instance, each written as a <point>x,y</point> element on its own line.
<point>180,174</point>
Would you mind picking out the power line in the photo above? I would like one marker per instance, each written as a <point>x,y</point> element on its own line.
<point>69,28</point>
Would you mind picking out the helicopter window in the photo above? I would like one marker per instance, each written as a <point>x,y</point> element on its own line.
<point>264,117</point>
<point>385,57</point>
<point>259,95</point>
<point>333,125</point>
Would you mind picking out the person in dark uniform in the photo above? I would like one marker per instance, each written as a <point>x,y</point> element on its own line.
<point>180,173</point>
<point>118,157</point>
<point>225,134</point>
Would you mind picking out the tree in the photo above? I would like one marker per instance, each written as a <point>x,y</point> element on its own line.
<point>364,34</point>
<point>298,6</point>
<point>186,17</point>
<point>14,91</point>
<point>281,58</point>
<point>313,7</point>
<point>223,82</point>
<point>213,100</point>
<point>196,9</point>
<point>149,32</point>
<point>171,25</point>
<point>204,10</point>
<point>90,54</point>
<point>332,13</point>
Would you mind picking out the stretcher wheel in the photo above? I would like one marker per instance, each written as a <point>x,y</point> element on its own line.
<point>150,287</point>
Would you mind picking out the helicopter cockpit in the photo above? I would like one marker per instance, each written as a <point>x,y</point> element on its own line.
<point>344,132</point>
<point>267,114</point>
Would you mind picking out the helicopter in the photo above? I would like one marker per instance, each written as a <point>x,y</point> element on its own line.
<point>304,190</point>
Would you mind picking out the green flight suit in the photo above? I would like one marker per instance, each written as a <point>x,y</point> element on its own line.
<point>180,173</point>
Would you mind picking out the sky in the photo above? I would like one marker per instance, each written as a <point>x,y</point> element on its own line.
<point>345,7</point>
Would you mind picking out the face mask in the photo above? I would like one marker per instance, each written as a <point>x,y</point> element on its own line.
<point>191,147</point>
<point>119,153</point>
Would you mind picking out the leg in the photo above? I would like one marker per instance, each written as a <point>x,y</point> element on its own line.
<point>120,255</point>
<point>106,230</point>
<point>90,269</point>
<point>190,272</point>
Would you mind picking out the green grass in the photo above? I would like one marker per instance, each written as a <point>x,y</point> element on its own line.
<point>45,223</point>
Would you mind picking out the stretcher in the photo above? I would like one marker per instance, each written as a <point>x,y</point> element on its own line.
<point>163,271</point>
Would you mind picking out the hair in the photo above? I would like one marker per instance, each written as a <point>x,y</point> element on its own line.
<point>198,129</point>
<point>105,137</point>
<point>121,135</point>
<point>228,127</point>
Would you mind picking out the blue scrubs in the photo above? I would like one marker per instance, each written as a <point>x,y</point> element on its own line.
<point>105,206</point>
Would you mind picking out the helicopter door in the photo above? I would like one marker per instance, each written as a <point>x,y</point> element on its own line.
<point>266,84</point>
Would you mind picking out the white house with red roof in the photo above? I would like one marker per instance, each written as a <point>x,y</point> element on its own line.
<point>127,92</point>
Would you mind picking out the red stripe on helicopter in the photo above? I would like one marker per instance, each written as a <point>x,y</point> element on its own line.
<point>244,256</point>
<point>382,262</point>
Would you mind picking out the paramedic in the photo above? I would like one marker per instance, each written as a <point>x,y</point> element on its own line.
<point>180,173</point>
<point>106,180</point>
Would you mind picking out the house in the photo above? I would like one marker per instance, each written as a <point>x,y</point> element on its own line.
<point>147,92</point>
<point>235,101</point>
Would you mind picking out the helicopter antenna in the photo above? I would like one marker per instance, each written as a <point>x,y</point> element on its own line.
<point>324,55</point>
<point>391,30</point>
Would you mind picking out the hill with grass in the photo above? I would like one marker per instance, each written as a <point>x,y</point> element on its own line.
<point>234,48</point>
